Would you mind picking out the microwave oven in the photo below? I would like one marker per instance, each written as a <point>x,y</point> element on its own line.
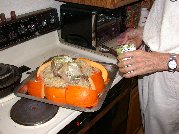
<point>89,26</point>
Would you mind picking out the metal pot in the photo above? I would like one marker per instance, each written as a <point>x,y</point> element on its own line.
<point>10,77</point>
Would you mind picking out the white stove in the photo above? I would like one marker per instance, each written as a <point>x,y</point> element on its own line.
<point>33,53</point>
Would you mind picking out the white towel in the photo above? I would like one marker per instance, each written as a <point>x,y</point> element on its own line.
<point>161,32</point>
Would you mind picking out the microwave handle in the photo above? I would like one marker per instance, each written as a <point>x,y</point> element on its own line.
<point>94,19</point>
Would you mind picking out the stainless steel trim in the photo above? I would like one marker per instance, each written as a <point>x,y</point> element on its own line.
<point>94,42</point>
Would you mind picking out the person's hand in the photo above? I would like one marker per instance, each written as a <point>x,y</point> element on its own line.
<point>131,35</point>
<point>140,62</point>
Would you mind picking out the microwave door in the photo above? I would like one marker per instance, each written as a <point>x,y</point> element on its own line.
<point>77,40</point>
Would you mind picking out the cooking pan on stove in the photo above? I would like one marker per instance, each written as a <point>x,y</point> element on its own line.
<point>10,77</point>
<point>111,68</point>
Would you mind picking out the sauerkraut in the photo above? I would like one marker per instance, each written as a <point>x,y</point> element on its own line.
<point>65,71</point>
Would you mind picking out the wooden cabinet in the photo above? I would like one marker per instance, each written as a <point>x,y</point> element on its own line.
<point>124,115</point>
<point>134,122</point>
<point>128,119</point>
<point>120,116</point>
<point>111,4</point>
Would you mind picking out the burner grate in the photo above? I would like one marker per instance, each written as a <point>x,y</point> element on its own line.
<point>9,79</point>
<point>6,72</point>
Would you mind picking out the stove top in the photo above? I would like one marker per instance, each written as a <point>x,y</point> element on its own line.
<point>32,53</point>
<point>32,113</point>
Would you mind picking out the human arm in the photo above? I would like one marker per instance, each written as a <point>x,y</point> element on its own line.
<point>131,35</point>
<point>142,62</point>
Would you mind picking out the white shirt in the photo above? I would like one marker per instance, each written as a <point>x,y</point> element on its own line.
<point>161,32</point>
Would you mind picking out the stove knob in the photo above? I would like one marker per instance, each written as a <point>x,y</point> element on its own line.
<point>31,27</point>
<point>44,22</point>
<point>22,29</point>
<point>12,35</point>
<point>52,19</point>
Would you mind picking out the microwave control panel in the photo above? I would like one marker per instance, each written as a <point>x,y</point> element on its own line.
<point>28,26</point>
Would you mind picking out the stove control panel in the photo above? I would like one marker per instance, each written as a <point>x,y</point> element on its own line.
<point>27,26</point>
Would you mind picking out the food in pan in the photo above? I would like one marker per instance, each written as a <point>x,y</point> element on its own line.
<point>77,82</point>
<point>126,47</point>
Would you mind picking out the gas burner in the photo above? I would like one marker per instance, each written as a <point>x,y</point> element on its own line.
<point>31,113</point>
